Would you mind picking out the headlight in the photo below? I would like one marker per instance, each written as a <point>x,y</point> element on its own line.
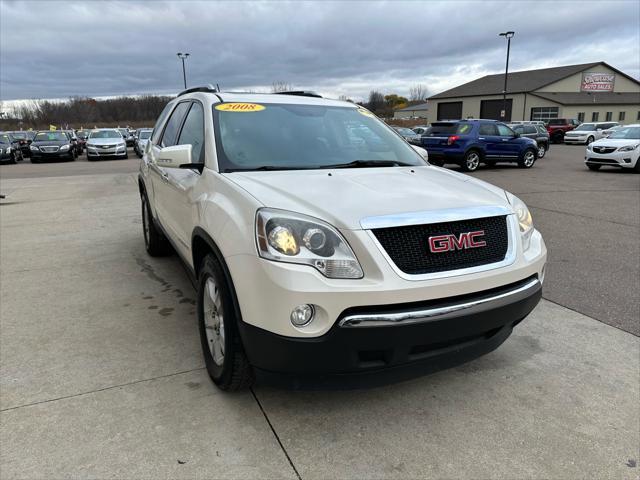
<point>7,150</point>
<point>295,238</point>
<point>525,222</point>
<point>34,148</point>
<point>120,145</point>
<point>629,148</point>
<point>589,147</point>
<point>64,148</point>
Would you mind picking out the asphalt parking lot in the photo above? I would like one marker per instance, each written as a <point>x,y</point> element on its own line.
<point>102,375</point>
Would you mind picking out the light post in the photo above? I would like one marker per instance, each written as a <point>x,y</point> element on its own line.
<point>508,36</point>
<point>183,56</point>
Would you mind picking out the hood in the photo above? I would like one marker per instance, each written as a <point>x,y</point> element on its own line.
<point>105,141</point>
<point>343,197</point>
<point>615,142</point>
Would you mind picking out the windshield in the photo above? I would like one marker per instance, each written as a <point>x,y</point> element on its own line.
<point>19,135</point>
<point>586,127</point>
<point>5,139</point>
<point>82,134</point>
<point>145,134</point>
<point>628,133</point>
<point>51,137</point>
<point>124,132</point>
<point>285,136</point>
<point>105,134</point>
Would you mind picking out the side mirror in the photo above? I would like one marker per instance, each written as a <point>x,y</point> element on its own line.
<point>421,151</point>
<point>174,156</point>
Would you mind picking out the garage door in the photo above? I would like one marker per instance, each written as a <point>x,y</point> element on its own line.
<point>490,109</point>
<point>450,111</point>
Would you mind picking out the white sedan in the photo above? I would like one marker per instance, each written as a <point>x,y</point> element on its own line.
<point>621,149</point>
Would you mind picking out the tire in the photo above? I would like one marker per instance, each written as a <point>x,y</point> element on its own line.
<point>224,356</point>
<point>155,242</point>
<point>125,156</point>
<point>590,140</point>
<point>528,158</point>
<point>35,160</point>
<point>12,159</point>
<point>636,168</point>
<point>593,167</point>
<point>471,161</point>
<point>557,138</point>
<point>542,151</point>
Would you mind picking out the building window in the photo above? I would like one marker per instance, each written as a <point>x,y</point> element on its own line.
<point>581,117</point>
<point>544,113</point>
<point>595,116</point>
<point>609,116</point>
<point>621,116</point>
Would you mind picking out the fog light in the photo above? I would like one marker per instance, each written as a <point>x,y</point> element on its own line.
<point>302,315</point>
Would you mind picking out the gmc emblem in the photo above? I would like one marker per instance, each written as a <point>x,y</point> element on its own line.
<point>447,243</point>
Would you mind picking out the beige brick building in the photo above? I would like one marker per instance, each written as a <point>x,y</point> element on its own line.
<point>588,92</point>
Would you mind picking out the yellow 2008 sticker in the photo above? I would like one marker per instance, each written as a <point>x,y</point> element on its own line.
<point>240,107</point>
<point>366,112</point>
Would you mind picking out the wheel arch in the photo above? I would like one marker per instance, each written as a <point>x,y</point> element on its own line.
<point>201,245</point>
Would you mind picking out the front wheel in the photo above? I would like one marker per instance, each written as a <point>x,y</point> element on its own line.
<point>528,159</point>
<point>471,161</point>
<point>590,140</point>
<point>224,356</point>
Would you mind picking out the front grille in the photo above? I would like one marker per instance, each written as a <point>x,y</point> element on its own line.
<point>408,246</point>
<point>604,149</point>
<point>608,161</point>
<point>49,149</point>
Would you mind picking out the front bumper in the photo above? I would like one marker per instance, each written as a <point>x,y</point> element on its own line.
<point>97,152</point>
<point>440,334</point>
<point>613,159</point>
<point>577,140</point>
<point>59,155</point>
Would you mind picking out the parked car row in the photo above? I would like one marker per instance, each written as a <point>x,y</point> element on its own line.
<point>69,144</point>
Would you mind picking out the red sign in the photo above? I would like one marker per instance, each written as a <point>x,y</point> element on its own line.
<point>597,82</point>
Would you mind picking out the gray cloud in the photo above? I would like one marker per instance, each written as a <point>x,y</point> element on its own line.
<point>58,49</point>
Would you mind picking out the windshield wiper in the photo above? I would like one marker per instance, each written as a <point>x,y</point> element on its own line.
<point>369,163</point>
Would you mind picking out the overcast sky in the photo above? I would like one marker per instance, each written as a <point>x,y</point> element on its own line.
<point>58,49</point>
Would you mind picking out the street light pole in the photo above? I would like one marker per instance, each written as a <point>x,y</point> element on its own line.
<point>508,36</point>
<point>183,56</point>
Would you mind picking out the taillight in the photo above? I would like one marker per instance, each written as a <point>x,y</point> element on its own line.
<point>452,139</point>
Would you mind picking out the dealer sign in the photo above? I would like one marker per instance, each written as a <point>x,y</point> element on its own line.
<point>597,82</point>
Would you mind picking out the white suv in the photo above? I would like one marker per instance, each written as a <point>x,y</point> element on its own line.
<point>324,247</point>
<point>620,149</point>
<point>586,133</point>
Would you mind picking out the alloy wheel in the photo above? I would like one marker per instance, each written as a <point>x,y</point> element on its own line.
<point>214,320</point>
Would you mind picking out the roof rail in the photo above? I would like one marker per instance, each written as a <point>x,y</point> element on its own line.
<point>300,93</point>
<point>206,88</point>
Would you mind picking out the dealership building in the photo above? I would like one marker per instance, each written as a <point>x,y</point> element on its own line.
<point>589,92</point>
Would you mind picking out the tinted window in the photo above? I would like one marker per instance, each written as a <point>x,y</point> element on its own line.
<point>488,129</point>
<point>504,131</point>
<point>193,131</point>
<point>541,129</point>
<point>448,129</point>
<point>628,133</point>
<point>173,125</point>
<point>157,131</point>
<point>530,129</point>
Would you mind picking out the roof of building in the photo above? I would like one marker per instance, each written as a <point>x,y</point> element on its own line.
<point>414,108</point>
<point>589,98</point>
<point>519,82</point>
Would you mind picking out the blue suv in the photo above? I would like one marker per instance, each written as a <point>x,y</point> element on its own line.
<point>470,142</point>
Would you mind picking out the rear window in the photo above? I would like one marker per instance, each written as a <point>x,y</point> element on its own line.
<point>448,129</point>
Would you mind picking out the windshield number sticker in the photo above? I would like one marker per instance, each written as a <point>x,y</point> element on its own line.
<point>240,107</point>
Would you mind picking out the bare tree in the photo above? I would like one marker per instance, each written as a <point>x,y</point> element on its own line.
<point>281,86</point>
<point>418,93</point>
<point>376,101</point>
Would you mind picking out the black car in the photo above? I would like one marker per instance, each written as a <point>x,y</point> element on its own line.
<point>77,147</point>
<point>10,151</point>
<point>52,145</point>
<point>128,138</point>
<point>23,139</point>
<point>537,132</point>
